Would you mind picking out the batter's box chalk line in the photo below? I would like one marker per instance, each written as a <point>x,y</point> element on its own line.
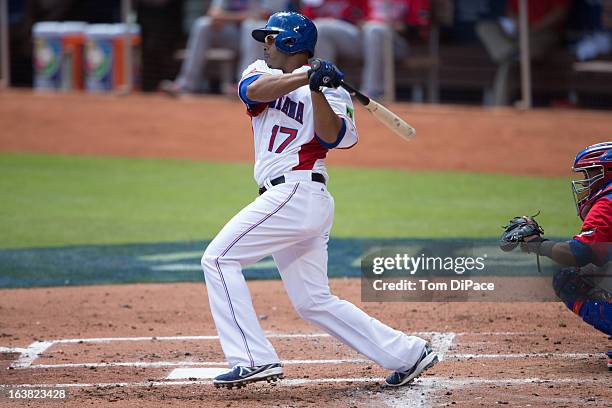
<point>441,341</point>
<point>11,350</point>
<point>34,350</point>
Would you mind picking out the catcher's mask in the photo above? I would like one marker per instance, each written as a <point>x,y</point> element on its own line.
<point>294,33</point>
<point>594,168</point>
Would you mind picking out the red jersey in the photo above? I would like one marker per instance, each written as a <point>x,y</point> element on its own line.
<point>353,11</point>
<point>412,12</point>
<point>539,8</point>
<point>596,229</point>
<point>597,226</point>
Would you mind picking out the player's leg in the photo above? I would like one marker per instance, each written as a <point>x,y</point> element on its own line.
<point>227,37</point>
<point>584,293</point>
<point>195,55</point>
<point>498,44</point>
<point>303,268</point>
<point>272,222</point>
<point>504,51</point>
<point>573,284</point>
<point>597,313</point>
<point>202,37</point>
<point>337,38</point>
<point>374,34</point>
<point>504,84</point>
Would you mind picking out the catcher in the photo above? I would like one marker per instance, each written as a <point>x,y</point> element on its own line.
<point>588,250</point>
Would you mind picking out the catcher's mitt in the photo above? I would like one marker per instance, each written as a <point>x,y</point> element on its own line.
<point>518,230</point>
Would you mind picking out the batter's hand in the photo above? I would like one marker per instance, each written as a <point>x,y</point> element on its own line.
<point>324,73</point>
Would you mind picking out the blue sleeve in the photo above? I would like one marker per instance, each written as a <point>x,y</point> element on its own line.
<point>582,252</point>
<point>338,139</point>
<point>242,90</point>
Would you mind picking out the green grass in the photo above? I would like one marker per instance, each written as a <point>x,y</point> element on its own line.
<point>61,200</point>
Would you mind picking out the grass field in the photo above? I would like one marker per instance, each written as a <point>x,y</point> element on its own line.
<point>50,200</point>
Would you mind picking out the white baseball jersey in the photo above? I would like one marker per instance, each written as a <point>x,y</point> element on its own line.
<point>283,129</point>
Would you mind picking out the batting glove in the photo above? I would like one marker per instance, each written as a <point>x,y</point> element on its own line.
<point>324,74</point>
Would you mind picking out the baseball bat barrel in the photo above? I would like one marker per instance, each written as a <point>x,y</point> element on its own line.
<point>396,124</point>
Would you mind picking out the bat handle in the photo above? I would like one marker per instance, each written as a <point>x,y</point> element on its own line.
<point>364,100</point>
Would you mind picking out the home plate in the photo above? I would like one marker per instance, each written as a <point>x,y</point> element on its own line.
<point>198,373</point>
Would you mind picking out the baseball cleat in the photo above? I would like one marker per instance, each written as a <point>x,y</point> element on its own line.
<point>170,88</point>
<point>609,359</point>
<point>399,378</point>
<point>240,376</point>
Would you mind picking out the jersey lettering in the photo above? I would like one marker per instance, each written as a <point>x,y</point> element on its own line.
<point>295,110</point>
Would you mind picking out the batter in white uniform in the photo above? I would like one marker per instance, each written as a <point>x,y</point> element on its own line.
<point>298,113</point>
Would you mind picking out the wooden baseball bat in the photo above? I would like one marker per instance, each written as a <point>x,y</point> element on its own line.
<point>398,125</point>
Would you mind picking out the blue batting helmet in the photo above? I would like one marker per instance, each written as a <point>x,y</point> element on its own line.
<point>295,33</point>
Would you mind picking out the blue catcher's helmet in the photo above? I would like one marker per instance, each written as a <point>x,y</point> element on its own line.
<point>595,167</point>
<point>295,33</point>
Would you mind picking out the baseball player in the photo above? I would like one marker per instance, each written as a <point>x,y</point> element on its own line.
<point>585,286</point>
<point>298,114</point>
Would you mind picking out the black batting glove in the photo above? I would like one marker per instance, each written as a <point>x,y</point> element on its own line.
<point>324,74</point>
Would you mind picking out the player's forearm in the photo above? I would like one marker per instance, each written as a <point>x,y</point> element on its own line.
<point>560,252</point>
<point>270,87</point>
<point>327,123</point>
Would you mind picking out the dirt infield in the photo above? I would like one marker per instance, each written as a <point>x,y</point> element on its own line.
<point>155,345</point>
<point>541,142</point>
<point>127,344</point>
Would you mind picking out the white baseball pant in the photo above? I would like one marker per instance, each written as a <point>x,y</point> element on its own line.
<point>292,222</point>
